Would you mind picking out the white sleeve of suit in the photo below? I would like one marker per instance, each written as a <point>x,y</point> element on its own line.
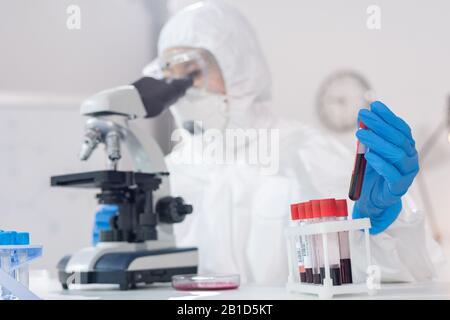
<point>401,251</point>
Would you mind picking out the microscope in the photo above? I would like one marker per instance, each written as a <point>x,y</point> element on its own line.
<point>139,248</point>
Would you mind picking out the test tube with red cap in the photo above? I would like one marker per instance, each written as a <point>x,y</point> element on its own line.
<point>309,245</point>
<point>298,243</point>
<point>305,246</point>
<point>318,264</point>
<point>359,169</point>
<point>328,211</point>
<point>344,244</point>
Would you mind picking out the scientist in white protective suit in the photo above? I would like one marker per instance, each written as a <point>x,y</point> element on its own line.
<point>241,204</point>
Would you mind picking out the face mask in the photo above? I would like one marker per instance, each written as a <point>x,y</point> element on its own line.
<point>200,110</point>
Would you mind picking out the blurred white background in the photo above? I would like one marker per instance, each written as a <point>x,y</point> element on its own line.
<point>46,70</point>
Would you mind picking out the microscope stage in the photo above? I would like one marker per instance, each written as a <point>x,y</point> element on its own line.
<point>105,179</point>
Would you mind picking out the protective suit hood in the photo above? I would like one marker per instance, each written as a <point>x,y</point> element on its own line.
<point>240,58</point>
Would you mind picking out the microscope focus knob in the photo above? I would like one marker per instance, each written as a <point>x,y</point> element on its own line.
<point>172,210</point>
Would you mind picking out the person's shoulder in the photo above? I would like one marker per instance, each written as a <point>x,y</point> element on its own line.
<point>300,140</point>
<point>301,135</point>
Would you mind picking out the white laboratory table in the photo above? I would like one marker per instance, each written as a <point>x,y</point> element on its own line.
<point>49,288</point>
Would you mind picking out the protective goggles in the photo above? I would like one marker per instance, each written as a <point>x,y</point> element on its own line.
<point>179,65</point>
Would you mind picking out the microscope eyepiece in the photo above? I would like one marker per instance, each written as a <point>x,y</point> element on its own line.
<point>157,95</point>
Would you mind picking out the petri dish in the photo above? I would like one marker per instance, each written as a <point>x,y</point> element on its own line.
<point>190,282</point>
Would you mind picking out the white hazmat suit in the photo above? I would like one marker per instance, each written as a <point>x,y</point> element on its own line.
<point>240,210</point>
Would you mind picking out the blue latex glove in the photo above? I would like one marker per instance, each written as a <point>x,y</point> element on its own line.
<point>392,164</point>
<point>102,218</point>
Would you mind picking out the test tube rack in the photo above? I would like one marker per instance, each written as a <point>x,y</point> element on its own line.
<point>7,281</point>
<point>326,290</point>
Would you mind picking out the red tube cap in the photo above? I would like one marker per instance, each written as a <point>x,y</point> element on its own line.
<point>315,205</point>
<point>308,210</point>
<point>294,211</point>
<point>301,211</point>
<point>328,208</point>
<point>341,206</point>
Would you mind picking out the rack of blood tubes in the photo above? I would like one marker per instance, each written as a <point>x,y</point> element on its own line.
<point>319,248</point>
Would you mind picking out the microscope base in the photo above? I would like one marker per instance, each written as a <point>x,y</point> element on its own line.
<point>128,269</point>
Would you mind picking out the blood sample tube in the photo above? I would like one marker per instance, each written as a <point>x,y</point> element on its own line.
<point>328,212</point>
<point>318,266</point>
<point>309,243</point>
<point>358,170</point>
<point>298,243</point>
<point>344,244</point>
<point>303,243</point>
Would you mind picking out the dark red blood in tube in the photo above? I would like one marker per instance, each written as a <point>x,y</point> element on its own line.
<point>317,278</point>
<point>358,171</point>
<point>302,276</point>
<point>309,275</point>
<point>346,271</point>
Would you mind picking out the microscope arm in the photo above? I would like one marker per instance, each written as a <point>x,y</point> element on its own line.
<point>146,97</point>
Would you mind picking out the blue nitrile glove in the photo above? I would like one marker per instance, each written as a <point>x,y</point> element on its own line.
<point>102,218</point>
<point>392,164</point>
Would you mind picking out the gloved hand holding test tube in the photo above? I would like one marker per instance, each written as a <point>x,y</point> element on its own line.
<point>392,164</point>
